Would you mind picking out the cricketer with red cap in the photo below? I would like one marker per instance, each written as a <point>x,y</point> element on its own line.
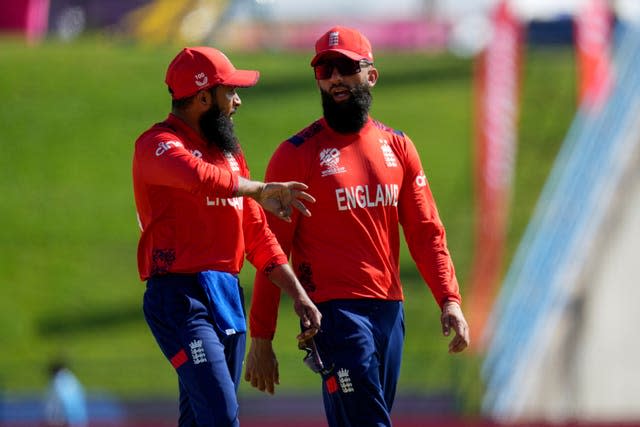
<point>200,214</point>
<point>367,179</point>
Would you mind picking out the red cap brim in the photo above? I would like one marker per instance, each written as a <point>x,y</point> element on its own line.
<point>242,78</point>
<point>349,54</point>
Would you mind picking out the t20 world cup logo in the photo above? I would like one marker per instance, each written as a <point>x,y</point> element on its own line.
<point>329,159</point>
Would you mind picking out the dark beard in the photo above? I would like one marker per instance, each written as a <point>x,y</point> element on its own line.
<point>351,115</point>
<point>217,129</point>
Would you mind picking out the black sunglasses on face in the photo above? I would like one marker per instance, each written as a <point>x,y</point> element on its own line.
<point>345,67</point>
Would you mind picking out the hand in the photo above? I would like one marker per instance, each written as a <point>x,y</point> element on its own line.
<point>308,313</point>
<point>261,366</point>
<point>452,317</point>
<point>283,276</point>
<point>278,197</point>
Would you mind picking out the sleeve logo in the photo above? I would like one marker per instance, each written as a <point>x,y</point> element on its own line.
<point>164,146</point>
<point>421,180</point>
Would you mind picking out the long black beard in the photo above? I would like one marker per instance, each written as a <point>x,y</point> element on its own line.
<point>349,116</point>
<point>217,129</point>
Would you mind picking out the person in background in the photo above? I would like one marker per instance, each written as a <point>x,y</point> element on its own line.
<point>368,181</point>
<point>65,404</point>
<point>200,214</point>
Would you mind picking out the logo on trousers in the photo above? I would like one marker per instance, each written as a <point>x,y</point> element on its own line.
<point>197,352</point>
<point>345,381</point>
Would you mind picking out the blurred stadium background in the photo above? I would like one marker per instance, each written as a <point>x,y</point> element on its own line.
<point>555,339</point>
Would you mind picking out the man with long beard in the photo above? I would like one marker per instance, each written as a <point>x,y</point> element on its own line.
<point>200,214</point>
<point>367,179</point>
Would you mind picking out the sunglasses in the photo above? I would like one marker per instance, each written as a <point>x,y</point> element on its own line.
<point>312,359</point>
<point>345,67</point>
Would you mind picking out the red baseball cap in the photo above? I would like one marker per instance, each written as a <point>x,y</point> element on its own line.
<point>346,41</point>
<point>198,68</point>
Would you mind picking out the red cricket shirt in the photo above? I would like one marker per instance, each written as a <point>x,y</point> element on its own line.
<point>366,185</point>
<point>189,217</point>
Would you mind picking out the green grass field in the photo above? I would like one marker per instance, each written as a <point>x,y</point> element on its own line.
<point>70,115</point>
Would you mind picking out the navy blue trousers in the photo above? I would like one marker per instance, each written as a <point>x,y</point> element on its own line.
<point>361,341</point>
<point>208,362</point>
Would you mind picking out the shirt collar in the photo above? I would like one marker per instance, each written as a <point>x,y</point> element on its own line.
<point>364,129</point>
<point>182,127</point>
